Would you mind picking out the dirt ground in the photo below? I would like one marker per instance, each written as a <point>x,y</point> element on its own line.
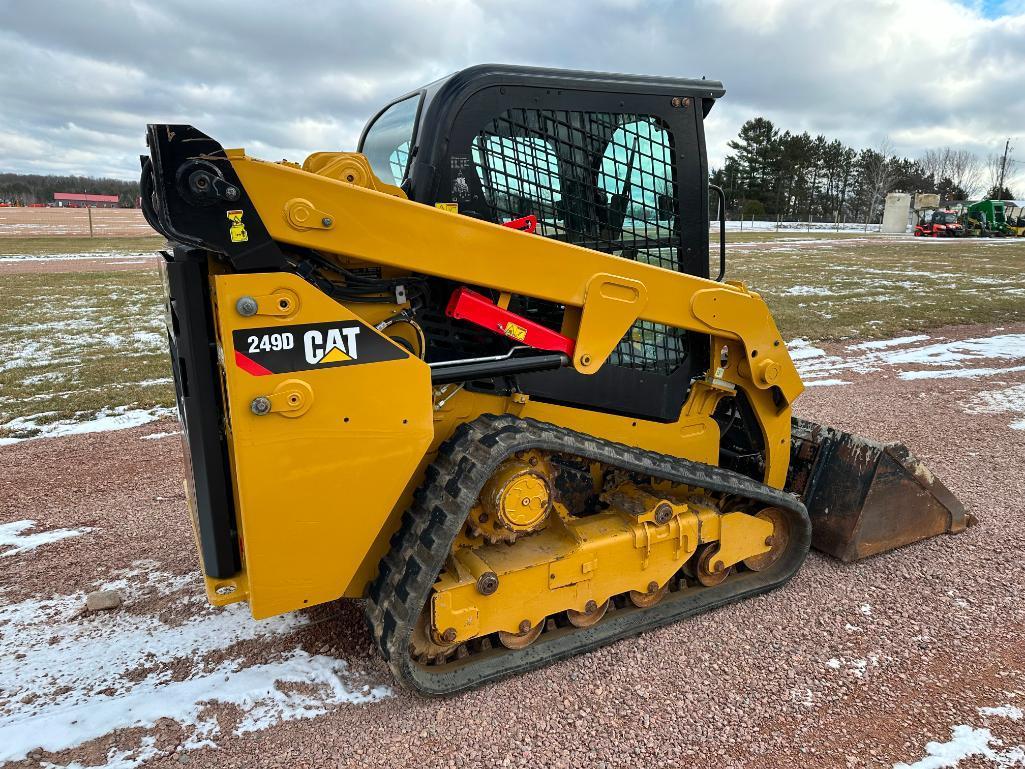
<point>848,665</point>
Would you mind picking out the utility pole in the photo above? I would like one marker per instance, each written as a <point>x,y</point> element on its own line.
<point>1003,165</point>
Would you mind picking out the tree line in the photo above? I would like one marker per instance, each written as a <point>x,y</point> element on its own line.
<point>776,174</point>
<point>26,189</point>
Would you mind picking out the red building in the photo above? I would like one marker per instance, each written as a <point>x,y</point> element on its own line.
<point>77,200</point>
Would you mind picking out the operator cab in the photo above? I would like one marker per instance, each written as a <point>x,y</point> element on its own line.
<point>613,163</point>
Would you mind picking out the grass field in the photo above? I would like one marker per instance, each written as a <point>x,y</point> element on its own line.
<point>77,346</point>
<point>876,286</point>
<point>56,246</point>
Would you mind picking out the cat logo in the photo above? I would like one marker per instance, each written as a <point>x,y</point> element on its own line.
<point>329,346</point>
<point>236,229</point>
<point>281,349</point>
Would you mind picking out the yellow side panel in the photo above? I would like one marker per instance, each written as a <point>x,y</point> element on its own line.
<point>319,473</point>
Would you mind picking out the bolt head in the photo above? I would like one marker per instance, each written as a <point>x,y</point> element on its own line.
<point>525,626</point>
<point>652,587</point>
<point>591,607</point>
<point>246,306</point>
<point>662,514</point>
<point>487,583</point>
<point>717,567</point>
<point>260,406</point>
<point>327,221</point>
<point>231,193</point>
<point>770,541</point>
<point>449,635</point>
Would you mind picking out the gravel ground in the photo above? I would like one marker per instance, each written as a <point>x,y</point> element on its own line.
<point>848,665</point>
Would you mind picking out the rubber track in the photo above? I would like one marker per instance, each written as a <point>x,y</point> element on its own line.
<point>451,486</point>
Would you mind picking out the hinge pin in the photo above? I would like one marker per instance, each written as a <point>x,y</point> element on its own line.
<point>260,406</point>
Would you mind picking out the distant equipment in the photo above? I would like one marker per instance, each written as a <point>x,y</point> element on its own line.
<point>939,224</point>
<point>992,213</point>
<point>1015,215</point>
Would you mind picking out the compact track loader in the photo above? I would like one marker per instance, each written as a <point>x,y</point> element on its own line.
<point>481,375</point>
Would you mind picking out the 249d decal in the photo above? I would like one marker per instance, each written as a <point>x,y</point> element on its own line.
<point>276,350</point>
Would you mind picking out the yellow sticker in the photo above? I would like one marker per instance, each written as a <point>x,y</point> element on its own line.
<point>237,230</point>
<point>450,207</point>
<point>515,332</point>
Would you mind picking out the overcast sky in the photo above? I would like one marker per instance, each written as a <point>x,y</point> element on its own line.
<point>79,80</point>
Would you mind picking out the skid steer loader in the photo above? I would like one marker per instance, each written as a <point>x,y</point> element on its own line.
<point>480,374</point>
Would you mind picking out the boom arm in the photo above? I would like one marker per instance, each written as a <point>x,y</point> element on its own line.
<point>607,294</point>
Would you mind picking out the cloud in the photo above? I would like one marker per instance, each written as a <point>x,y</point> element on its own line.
<point>79,82</point>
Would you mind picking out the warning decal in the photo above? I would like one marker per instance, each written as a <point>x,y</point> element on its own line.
<point>236,229</point>
<point>513,331</point>
<point>280,350</point>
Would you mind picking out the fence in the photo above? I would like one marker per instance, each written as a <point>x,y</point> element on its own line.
<point>73,222</point>
<point>129,222</point>
<point>798,226</point>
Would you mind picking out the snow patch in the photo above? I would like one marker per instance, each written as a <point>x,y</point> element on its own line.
<point>881,344</point>
<point>807,291</point>
<point>965,742</point>
<point>82,676</point>
<point>814,363</point>
<point>802,349</point>
<point>824,382</point>
<point>1002,346</point>
<point>1004,711</point>
<point>125,257</point>
<point>1009,400</point>
<point>773,225</point>
<point>158,436</point>
<point>959,373</point>
<point>856,667</point>
<point>106,419</point>
<point>13,540</point>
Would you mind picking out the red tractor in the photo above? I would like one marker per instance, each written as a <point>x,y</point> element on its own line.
<point>939,224</point>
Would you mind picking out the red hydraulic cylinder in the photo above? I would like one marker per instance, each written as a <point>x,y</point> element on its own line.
<point>466,304</point>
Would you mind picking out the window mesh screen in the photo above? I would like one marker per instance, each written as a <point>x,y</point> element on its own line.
<point>599,180</point>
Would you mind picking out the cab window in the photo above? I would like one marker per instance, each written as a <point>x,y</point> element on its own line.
<point>387,142</point>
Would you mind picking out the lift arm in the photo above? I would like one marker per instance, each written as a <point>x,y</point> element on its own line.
<point>606,293</point>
